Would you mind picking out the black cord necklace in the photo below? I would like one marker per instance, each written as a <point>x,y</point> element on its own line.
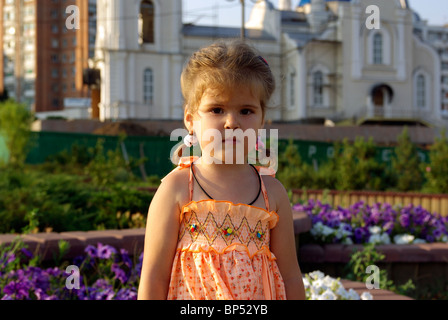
<point>259,184</point>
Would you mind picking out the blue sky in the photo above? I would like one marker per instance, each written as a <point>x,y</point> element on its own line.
<point>228,12</point>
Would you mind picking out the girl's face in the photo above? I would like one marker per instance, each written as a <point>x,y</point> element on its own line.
<point>226,124</point>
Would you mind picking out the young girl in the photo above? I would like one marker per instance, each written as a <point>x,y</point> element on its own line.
<point>217,228</point>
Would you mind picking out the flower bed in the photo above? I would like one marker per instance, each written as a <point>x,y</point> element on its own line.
<point>379,223</point>
<point>412,240</point>
<point>319,286</point>
<point>106,273</point>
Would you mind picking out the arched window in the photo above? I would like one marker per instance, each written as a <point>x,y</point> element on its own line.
<point>421,91</point>
<point>378,49</point>
<point>292,89</point>
<point>318,88</point>
<point>146,22</point>
<point>148,87</point>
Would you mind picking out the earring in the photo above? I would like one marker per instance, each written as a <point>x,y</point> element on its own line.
<point>260,144</point>
<point>190,140</point>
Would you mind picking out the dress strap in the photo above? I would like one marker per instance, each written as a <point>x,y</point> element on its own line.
<point>190,185</point>
<point>265,193</point>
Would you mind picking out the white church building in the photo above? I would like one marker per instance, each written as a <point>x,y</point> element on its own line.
<point>334,60</point>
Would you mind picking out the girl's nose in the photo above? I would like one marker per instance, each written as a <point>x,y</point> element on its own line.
<point>231,122</point>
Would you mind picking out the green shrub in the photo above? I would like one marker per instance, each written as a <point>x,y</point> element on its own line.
<point>406,166</point>
<point>356,166</point>
<point>356,268</point>
<point>31,200</point>
<point>292,171</point>
<point>15,127</point>
<point>436,172</point>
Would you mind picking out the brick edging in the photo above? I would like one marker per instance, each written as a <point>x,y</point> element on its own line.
<point>409,253</point>
<point>377,294</point>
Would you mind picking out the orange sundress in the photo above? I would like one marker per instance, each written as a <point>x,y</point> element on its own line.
<point>223,251</point>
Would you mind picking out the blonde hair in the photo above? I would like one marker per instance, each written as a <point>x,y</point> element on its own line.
<point>224,65</point>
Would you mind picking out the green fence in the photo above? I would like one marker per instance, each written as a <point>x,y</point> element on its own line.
<point>317,153</point>
<point>4,153</point>
<point>157,149</point>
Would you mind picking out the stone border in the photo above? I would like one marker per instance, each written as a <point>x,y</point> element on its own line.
<point>406,253</point>
<point>377,294</point>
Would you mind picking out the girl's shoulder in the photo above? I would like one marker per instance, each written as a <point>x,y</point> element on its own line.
<point>275,190</point>
<point>175,186</point>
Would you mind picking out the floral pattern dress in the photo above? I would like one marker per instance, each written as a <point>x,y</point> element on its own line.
<point>223,251</point>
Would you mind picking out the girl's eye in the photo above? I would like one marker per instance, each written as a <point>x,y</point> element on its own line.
<point>216,110</point>
<point>246,112</point>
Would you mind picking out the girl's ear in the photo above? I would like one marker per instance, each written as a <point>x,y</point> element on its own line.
<point>188,119</point>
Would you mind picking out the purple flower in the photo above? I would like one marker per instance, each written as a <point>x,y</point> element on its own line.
<point>125,258</point>
<point>359,234</point>
<point>105,251</point>
<point>27,253</point>
<point>404,220</point>
<point>119,273</point>
<point>19,289</point>
<point>126,294</point>
<point>91,251</point>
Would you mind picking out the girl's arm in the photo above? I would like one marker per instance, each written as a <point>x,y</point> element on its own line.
<point>161,235</point>
<point>283,245</point>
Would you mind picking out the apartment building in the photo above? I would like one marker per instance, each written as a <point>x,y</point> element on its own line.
<point>46,47</point>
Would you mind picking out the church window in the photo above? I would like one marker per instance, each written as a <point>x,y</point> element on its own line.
<point>148,86</point>
<point>378,49</point>
<point>146,22</point>
<point>292,88</point>
<point>421,91</point>
<point>318,88</point>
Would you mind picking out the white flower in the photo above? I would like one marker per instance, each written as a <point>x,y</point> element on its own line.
<point>403,238</point>
<point>374,230</point>
<point>319,230</point>
<point>318,286</point>
<point>347,241</point>
<point>443,238</point>
<point>342,231</point>
<point>341,292</point>
<point>316,275</point>
<point>353,295</point>
<point>375,238</point>
<point>306,283</point>
<point>327,295</point>
<point>329,281</point>
<point>385,239</point>
<point>366,296</point>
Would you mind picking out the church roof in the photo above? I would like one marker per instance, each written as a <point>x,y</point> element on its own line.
<point>223,32</point>
<point>301,38</point>
<point>304,2</point>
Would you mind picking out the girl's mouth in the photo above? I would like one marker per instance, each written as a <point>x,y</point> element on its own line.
<point>233,140</point>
